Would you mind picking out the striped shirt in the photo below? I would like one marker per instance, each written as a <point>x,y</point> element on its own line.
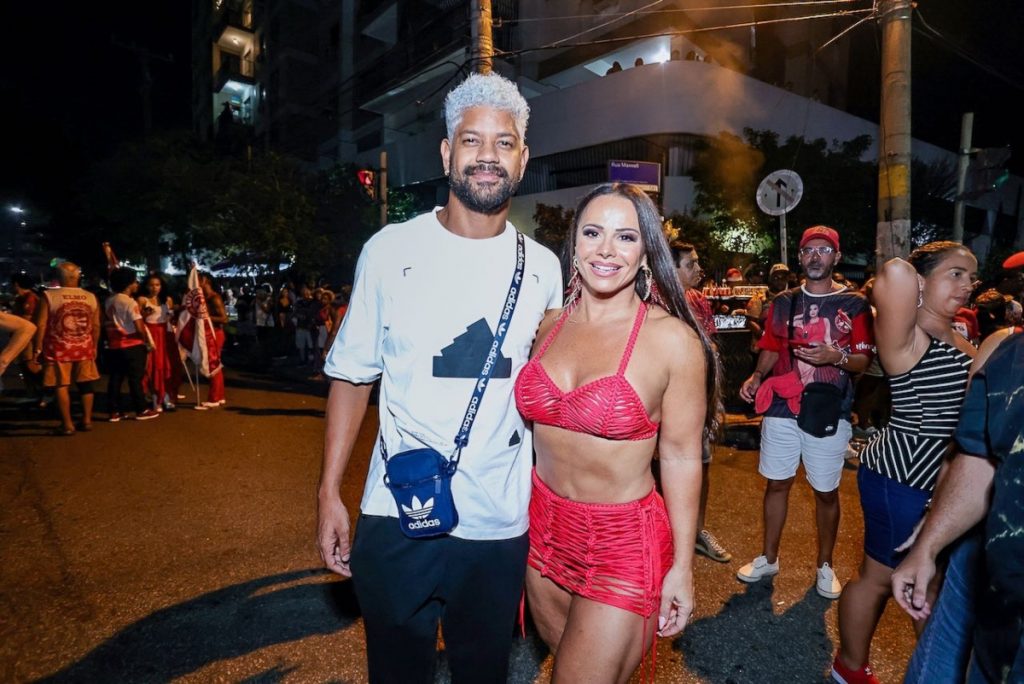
<point>925,410</point>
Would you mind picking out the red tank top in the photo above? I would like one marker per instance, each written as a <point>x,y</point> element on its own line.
<point>608,407</point>
<point>68,335</point>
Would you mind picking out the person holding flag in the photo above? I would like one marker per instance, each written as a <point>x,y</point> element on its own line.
<point>198,336</point>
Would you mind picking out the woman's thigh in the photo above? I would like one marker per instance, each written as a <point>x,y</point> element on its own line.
<point>601,643</point>
<point>549,606</point>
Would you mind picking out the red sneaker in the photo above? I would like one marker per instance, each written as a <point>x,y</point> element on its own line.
<point>148,414</point>
<point>845,675</point>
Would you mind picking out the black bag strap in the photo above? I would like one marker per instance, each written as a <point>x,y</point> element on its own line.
<point>790,327</point>
<point>480,386</point>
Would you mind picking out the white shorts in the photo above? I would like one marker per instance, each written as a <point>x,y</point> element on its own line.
<point>783,443</point>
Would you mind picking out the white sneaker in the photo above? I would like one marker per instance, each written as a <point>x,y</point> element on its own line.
<point>757,569</point>
<point>828,584</point>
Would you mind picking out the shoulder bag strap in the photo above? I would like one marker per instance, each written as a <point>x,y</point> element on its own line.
<point>507,310</point>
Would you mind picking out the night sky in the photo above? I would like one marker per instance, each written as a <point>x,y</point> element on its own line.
<point>71,94</point>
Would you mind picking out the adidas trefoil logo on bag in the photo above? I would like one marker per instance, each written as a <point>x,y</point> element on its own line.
<point>418,512</point>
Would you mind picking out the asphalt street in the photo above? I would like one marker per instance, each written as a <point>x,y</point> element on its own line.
<point>182,549</point>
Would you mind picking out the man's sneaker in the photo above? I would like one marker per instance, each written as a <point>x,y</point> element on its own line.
<point>828,585</point>
<point>148,414</point>
<point>708,545</point>
<point>844,675</point>
<point>758,569</point>
<point>214,404</point>
<point>115,417</point>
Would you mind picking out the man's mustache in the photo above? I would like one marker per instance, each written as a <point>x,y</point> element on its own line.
<point>496,169</point>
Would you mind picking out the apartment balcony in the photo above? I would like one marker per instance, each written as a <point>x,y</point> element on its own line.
<point>234,73</point>
<point>676,97</point>
<point>234,28</point>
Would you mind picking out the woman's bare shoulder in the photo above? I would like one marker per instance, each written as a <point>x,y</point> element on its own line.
<point>546,324</point>
<point>670,333</point>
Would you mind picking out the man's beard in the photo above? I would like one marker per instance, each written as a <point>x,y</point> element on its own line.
<point>484,200</point>
<point>826,272</point>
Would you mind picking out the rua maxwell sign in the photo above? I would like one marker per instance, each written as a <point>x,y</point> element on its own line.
<point>644,175</point>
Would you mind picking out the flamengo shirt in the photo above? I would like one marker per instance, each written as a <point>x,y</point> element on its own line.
<point>701,310</point>
<point>122,311</point>
<point>424,306</point>
<point>68,336</point>
<point>841,318</point>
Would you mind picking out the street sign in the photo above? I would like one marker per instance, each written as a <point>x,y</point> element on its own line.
<point>644,175</point>
<point>780,192</point>
<point>777,194</point>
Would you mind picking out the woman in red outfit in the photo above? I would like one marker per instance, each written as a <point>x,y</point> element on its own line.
<point>156,307</point>
<point>621,370</point>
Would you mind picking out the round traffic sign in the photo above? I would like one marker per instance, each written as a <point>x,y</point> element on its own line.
<point>779,192</point>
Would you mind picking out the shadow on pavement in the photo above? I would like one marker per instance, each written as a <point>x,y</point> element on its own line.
<point>746,641</point>
<point>275,380</point>
<point>220,625</point>
<point>244,411</point>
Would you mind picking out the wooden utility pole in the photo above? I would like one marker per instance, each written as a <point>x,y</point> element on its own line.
<point>483,38</point>
<point>962,164</point>
<point>893,236</point>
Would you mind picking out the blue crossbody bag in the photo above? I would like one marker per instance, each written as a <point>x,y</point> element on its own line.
<point>420,480</point>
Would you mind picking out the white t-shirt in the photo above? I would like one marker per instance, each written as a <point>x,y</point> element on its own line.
<point>422,315</point>
<point>122,312</point>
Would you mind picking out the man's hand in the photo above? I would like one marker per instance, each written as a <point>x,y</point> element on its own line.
<point>818,355</point>
<point>910,584</point>
<point>749,387</point>
<point>332,535</point>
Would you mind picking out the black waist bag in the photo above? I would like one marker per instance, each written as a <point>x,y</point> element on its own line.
<point>821,405</point>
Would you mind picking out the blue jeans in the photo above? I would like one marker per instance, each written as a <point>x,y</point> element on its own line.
<point>943,652</point>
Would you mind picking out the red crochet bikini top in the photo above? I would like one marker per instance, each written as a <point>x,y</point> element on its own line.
<point>608,407</point>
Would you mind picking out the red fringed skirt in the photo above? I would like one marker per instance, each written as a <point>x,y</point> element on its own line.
<point>617,554</point>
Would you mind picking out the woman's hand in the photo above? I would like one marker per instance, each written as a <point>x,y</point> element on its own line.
<point>676,602</point>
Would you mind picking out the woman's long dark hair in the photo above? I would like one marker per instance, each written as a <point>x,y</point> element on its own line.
<point>659,258</point>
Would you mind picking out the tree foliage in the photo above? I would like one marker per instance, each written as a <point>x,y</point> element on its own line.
<point>171,196</point>
<point>839,189</point>
<point>553,225</point>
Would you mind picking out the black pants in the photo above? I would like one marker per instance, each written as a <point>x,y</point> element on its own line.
<point>127,364</point>
<point>406,586</point>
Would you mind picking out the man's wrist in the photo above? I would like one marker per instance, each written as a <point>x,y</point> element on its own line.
<point>758,373</point>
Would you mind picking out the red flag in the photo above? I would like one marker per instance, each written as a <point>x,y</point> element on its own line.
<point>195,329</point>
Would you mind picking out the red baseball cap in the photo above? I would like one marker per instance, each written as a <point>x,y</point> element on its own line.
<point>825,233</point>
<point>1014,261</point>
<point>733,275</point>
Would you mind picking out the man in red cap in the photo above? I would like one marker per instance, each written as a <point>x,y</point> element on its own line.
<point>1011,280</point>
<point>817,336</point>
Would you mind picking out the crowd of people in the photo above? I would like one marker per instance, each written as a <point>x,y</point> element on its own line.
<point>552,436</point>
<point>127,329</point>
<point>583,479</point>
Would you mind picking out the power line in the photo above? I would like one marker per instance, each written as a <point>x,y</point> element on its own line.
<point>682,32</point>
<point>607,23</point>
<point>503,22</point>
<point>939,37</point>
